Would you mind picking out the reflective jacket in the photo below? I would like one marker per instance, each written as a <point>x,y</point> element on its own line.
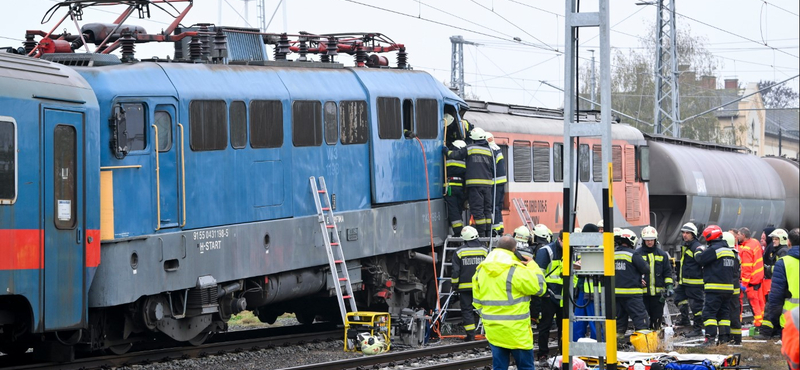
<point>791,343</point>
<point>501,290</point>
<point>500,167</point>
<point>456,169</point>
<point>719,266</point>
<point>525,249</point>
<point>465,262</point>
<point>752,262</point>
<point>690,271</point>
<point>629,270</point>
<point>480,163</point>
<point>659,268</point>
<point>737,273</point>
<point>785,293</point>
<point>549,259</point>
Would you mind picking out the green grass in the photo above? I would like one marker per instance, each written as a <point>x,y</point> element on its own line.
<point>246,318</point>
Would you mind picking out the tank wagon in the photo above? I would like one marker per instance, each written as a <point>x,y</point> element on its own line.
<point>789,172</point>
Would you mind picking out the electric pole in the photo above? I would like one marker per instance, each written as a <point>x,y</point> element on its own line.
<point>457,64</point>
<point>594,80</point>
<point>667,110</point>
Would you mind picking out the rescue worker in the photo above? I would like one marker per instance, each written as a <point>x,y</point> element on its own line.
<point>465,261</point>
<point>600,225</point>
<point>499,189</point>
<point>785,294</point>
<point>502,287</point>
<point>454,194</point>
<point>549,259</point>
<point>628,289</point>
<point>718,262</point>
<point>770,258</point>
<point>736,298</point>
<point>480,167</point>
<point>752,272</point>
<point>523,237</point>
<point>541,237</point>
<point>658,276</point>
<point>689,293</point>
<point>584,303</point>
<point>791,343</point>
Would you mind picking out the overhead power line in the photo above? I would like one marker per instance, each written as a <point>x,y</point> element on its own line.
<point>785,10</point>
<point>512,23</point>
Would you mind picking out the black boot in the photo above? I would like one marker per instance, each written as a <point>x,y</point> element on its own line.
<point>696,331</point>
<point>736,339</point>
<point>470,336</point>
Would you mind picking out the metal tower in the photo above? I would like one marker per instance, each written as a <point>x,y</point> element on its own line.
<point>261,8</point>
<point>457,65</point>
<point>667,110</point>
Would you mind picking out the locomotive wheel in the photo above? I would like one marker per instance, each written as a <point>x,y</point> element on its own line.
<point>305,317</point>
<point>200,338</point>
<point>120,349</point>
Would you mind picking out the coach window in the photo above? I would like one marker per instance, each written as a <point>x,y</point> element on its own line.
<point>583,162</point>
<point>266,124</point>
<point>134,116</point>
<point>541,161</point>
<point>307,123</point>
<point>238,120</point>
<point>331,123</point>
<point>616,157</point>
<point>389,122</point>
<point>8,162</point>
<point>208,125</point>
<point>597,163</point>
<point>354,128</point>
<point>408,115</point>
<point>427,118</point>
<point>163,121</point>
<point>558,162</point>
<point>643,163</point>
<point>521,155</point>
<point>65,179</point>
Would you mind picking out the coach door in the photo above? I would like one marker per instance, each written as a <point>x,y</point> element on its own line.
<point>63,212</point>
<point>166,144</point>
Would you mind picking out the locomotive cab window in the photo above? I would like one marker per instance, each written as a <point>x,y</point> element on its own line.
<point>8,162</point>
<point>238,120</point>
<point>408,115</point>
<point>428,118</point>
<point>134,117</point>
<point>643,163</point>
<point>65,186</point>
<point>389,121</point>
<point>307,123</point>
<point>163,120</point>
<point>354,128</point>
<point>331,123</point>
<point>208,125</point>
<point>266,124</point>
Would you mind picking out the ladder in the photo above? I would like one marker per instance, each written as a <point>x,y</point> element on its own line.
<point>523,213</point>
<point>333,246</point>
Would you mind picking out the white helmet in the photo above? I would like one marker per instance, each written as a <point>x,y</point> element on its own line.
<point>628,235</point>
<point>649,233</point>
<point>448,119</point>
<point>371,345</point>
<point>578,229</point>
<point>469,233</point>
<point>489,135</point>
<point>599,223</point>
<point>729,238</point>
<point>781,235</point>
<point>617,231</point>
<point>689,228</point>
<point>459,144</point>
<point>522,234</point>
<point>477,134</point>
<point>543,232</point>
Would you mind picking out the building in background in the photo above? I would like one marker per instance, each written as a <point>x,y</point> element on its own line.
<point>781,133</point>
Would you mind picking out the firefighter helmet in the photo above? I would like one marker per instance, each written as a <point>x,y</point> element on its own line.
<point>627,235</point>
<point>689,228</point>
<point>541,231</point>
<point>477,134</point>
<point>522,234</point>
<point>712,232</point>
<point>469,233</point>
<point>599,223</point>
<point>729,238</point>
<point>577,230</point>
<point>649,233</point>
<point>459,144</point>
<point>781,235</point>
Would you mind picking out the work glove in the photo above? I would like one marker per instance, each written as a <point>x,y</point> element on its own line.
<point>445,150</point>
<point>742,287</point>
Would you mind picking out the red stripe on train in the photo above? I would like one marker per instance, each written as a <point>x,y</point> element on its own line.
<point>21,249</point>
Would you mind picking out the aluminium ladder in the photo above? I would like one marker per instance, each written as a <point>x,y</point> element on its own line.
<point>333,247</point>
<point>523,213</point>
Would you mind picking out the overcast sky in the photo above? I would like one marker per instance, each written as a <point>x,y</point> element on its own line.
<point>500,69</point>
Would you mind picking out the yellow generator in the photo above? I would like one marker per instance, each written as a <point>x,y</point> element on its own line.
<point>368,332</point>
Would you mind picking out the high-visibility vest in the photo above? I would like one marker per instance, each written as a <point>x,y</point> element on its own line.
<point>793,279</point>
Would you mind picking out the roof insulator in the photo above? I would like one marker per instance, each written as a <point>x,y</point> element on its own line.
<point>332,49</point>
<point>402,58</point>
<point>128,45</point>
<point>220,46</point>
<point>195,49</point>
<point>303,49</point>
<point>205,41</point>
<point>361,55</point>
<point>282,48</point>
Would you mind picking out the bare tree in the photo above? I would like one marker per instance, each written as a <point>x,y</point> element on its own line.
<point>780,96</point>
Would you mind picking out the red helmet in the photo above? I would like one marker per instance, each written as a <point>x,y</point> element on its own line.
<point>712,232</point>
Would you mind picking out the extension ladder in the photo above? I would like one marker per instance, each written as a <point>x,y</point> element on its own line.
<point>336,261</point>
<point>523,213</point>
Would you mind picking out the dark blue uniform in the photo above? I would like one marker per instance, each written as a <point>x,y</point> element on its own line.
<point>718,262</point>
<point>628,290</point>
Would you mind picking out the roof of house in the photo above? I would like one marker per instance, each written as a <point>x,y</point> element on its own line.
<point>786,119</point>
<point>730,107</point>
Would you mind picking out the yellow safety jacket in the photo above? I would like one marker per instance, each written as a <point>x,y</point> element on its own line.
<point>501,290</point>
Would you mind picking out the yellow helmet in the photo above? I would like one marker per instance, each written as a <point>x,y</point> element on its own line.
<point>781,235</point>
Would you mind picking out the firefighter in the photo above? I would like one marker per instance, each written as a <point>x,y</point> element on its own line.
<point>584,304</point>
<point>541,237</point>
<point>689,293</point>
<point>752,272</point>
<point>628,289</point>
<point>549,260</point>
<point>735,302</point>
<point>658,276</point>
<point>499,189</point>
<point>479,179</point>
<point>465,260</point>
<point>454,194</point>
<point>785,294</point>
<point>523,237</point>
<point>718,262</point>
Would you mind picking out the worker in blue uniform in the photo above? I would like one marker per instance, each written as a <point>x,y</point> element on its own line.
<point>549,259</point>
<point>480,165</point>
<point>465,261</point>
<point>658,276</point>
<point>499,189</point>
<point>628,290</point>
<point>454,192</point>
<point>689,293</point>
<point>719,266</point>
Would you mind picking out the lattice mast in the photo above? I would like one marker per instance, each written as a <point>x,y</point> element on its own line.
<point>667,108</point>
<point>457,64</point>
